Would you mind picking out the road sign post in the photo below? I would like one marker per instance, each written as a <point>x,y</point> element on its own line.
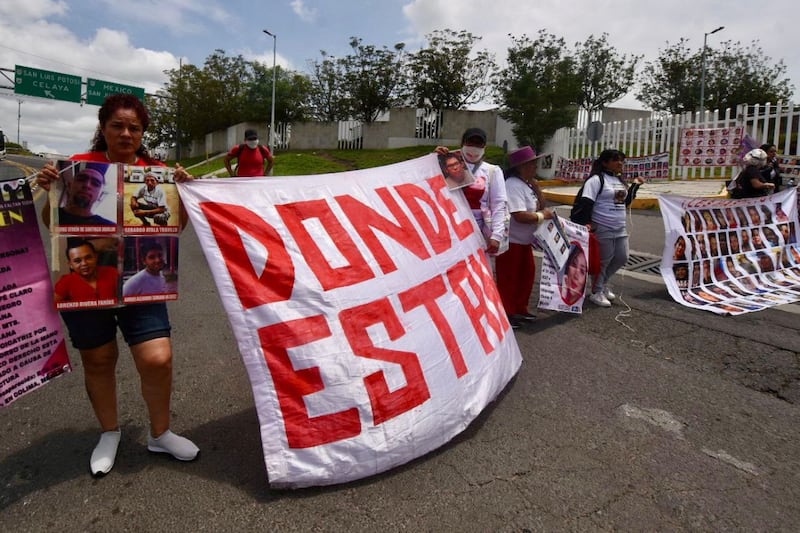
<point>47,84</point>
<point>97,90</point>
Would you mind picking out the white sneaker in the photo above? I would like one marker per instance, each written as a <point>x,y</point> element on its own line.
<point>598,298</point>
<point>178,447</point>
<point>610,295</point>
<point>105,453</point>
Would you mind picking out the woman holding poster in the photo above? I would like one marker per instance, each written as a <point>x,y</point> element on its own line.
<point>486,195</point>
<point>123,120</point>
<point>609,196</point>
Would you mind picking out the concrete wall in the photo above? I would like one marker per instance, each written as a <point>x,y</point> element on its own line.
<point>396,132</point>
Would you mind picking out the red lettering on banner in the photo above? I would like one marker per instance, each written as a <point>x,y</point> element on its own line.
<point>356,271</point>
<point>385,403</point>
<point>438,235</point>
<point>276,282</point>
<point>425,294</point>
<point>462,229</point>
<point>457,275</point>
<point>481,266</point>
<point>291,385</point>
<point>364,218</point>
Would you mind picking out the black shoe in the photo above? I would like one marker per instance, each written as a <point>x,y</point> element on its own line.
<point>515,322</point>
<point>527,316</point>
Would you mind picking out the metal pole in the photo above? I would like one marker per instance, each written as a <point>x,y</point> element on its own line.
<point>19,116</point>
<point>703,69</point>
<point>272,113</point>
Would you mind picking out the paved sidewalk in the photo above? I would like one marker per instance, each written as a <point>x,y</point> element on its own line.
<point>647,197</point>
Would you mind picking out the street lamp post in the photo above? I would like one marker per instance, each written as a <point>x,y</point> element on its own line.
<point>272,113</point>
<point>703,69</point>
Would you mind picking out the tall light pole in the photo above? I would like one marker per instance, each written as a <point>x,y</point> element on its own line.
<point>703,69</point>
<point>272,113</point>
<point>19,117</point>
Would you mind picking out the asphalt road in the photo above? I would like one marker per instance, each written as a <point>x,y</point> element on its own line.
<point>645,416</point>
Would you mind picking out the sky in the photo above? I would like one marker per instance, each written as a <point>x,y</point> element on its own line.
<point>133,43</point>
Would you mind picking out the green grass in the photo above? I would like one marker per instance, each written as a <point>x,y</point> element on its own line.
<point>307,162</point>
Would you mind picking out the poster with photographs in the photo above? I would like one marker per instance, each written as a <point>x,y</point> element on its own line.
<point>564,274</point>
<point>653,167</point>
<point>790,168</point>
<point>455,170</point>
<point>573,169</point>
<point>110,224</point>
<point>710,147</point>
<point>731,256</point>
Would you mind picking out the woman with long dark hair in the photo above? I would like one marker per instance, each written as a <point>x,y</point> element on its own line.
<point>606,196</point>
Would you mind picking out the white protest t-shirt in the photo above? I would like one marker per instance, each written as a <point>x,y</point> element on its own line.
<point>520,198</point>
<point>609,207</point>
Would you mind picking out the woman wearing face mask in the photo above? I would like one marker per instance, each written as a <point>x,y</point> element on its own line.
<point>487,195</point>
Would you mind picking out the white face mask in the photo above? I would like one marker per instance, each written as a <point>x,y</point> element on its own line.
<point>473,154</point>
<point>252,144</point>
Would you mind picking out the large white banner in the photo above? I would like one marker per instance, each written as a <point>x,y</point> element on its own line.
<point>731,256</point>
<point>365,311</point>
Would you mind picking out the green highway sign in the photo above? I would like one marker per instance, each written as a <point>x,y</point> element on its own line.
<point>47,84</point>
<point>97,90</point>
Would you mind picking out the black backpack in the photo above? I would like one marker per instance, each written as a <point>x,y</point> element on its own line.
<point>581,212</point>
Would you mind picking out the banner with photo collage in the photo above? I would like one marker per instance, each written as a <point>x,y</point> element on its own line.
<point>731,256</point>
<point>114,231</point>
<point>652,167</point>
<point>32,346</point>
<point>710,147</point>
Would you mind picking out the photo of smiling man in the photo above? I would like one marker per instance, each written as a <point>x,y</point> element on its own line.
<point>158,278</point>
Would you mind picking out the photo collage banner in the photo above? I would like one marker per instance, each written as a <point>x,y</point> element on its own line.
<point>114,231</point>
<point>731,256</point>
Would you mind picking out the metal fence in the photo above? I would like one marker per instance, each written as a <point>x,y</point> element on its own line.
<point>766,123</point>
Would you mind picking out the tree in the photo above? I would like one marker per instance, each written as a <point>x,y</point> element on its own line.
<point>737,75</point>
<point>327,98</point>
<point>603,74</point>
<point>734,75</point>
<point>226,91</point>
<point>539,88</point>
<point>447,74</point>
<point>370,79</point>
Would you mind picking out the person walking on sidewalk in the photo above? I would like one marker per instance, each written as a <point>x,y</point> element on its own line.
<point>607,197</point>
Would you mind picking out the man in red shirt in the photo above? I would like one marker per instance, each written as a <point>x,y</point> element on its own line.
<point>252,159</point>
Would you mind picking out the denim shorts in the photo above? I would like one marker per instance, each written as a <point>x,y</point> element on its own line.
<point>96,327</point>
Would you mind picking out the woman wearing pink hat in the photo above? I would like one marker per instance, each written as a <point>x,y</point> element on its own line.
<point>516,268</point>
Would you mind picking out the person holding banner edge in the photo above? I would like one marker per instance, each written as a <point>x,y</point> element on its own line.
<point>516,268</point>
<point>123,120</point>
<point>487,194</point>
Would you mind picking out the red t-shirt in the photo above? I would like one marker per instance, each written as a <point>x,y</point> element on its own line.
<point>250,162</point>
<point>72,288</point>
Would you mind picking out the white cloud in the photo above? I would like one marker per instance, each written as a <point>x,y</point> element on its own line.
<point>306,14</point>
